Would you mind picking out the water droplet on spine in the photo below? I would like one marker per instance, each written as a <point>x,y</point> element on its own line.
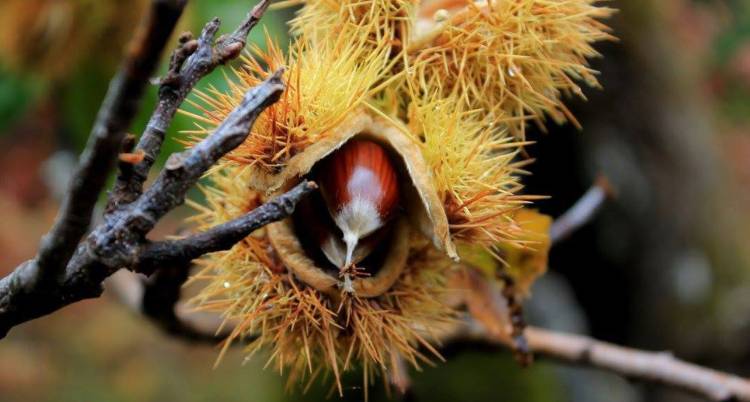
<point>441,15</point>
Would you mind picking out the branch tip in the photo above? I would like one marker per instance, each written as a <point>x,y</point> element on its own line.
<point>583,211</point>
<point>209,32</point>
<point>260,9</point>
<point>278,74</point>
<point>132,158</point>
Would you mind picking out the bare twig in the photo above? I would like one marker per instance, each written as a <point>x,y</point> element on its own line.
<point>117,242</point>
<point>654,367</point>
<point>168,263</point>
<point>191,61</point>
<point>490,322</point>
<point>224,236</point>
<point>182,171</point>
<point>661,368</point>
<point>582,211</point>
<point>114,117</point>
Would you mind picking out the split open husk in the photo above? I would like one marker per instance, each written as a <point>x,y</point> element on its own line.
<point>422,205</point>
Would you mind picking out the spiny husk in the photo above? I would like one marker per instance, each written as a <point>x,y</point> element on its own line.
<point>513,60</point>
<point>296,148</point>
<point>304,327</point>
<point>447,98</point>
<point>473,169</point>
<point>381,24</point>
<point>381,21</point>
<point>324,86</point>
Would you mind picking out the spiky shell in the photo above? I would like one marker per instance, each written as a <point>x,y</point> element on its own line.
<point>260,291</point>
<point>380,21</point>
<point>433,96</point>
<point>325,85</point>
<point>473,167</point>
<point>513,60</point>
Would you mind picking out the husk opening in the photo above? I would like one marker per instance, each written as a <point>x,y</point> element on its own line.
<point>424,205</point>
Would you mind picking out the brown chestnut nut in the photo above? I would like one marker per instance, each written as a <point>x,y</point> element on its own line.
<point>360,187</point>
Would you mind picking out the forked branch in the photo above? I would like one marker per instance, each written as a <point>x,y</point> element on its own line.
<point>97,160</point>
<point>68,271</point>
<point>190,62</point>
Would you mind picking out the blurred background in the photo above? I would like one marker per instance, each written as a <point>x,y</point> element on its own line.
<point>664,266</point>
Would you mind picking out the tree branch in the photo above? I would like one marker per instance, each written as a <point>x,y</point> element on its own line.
<point>116,242</point>
<point>652,367</point>
<point>169,262</point>
<point>222,237</point>
<point>582,211</point>
<point>491,321</point>
<point>661,368</point>
<point>191,61</point>
<point>114,117</point>
<point>181,172</point>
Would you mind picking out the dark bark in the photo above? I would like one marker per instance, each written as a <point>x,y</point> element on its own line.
<point>117,242</point>
<point>155,254</point>
<point>56,279</point>
<point>115,116</point>
<point>190,62</point>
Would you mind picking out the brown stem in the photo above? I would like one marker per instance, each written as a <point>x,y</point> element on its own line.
<point>116,242</point>
<point>654,367</point>
<point>222,237</point>
<point>98,158</point>
<point>190,62</point>
<point>662,368</point>
<point>582,211</point>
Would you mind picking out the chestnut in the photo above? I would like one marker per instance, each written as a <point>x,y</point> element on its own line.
<point>359,185</point>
